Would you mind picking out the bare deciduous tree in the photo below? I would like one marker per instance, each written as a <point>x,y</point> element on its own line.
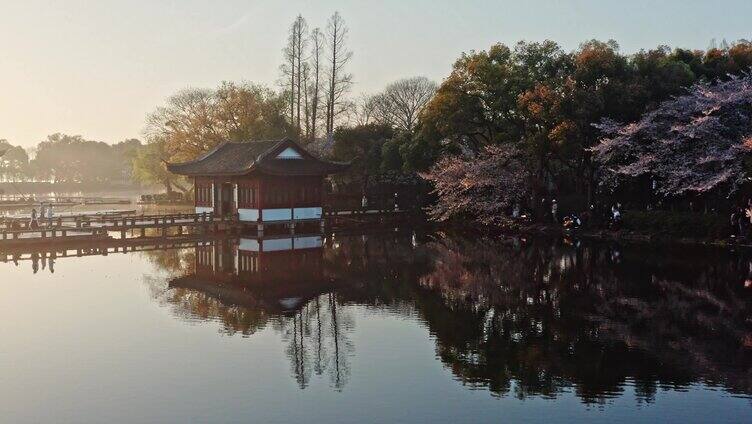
<point>292,69</point>
<point>287,79</point>
<point>314,86</point>
<point>402,101</point>
<point>339,81</point>
<point>301,44</point>
<point>364,110</point>
<point>306,72</point>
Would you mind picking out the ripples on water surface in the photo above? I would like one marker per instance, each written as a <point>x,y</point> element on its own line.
<point>379,328</point>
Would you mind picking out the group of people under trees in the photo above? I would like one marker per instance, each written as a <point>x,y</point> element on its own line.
<point>741,220</point>
<point>598,216</point>
<point>594,215</point>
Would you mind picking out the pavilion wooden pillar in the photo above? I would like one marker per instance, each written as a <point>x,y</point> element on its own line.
<point>320,201</point>
<point>195,193</point>
<point>260,204</point>
<point>292,186</point>
<point>235,184</point>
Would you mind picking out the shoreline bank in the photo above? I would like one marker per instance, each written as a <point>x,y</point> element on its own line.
<point>606,235</point>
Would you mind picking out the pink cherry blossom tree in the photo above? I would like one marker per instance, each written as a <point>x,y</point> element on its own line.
<point>485,187</point>
<point>695,143</point>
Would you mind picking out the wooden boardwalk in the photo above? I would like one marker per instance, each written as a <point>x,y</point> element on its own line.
<point>63,229</point>
<point>95,227</point>
<point>73,248</point>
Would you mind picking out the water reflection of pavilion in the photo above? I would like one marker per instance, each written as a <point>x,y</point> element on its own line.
<point>279,274</point>
<point>250,284</point>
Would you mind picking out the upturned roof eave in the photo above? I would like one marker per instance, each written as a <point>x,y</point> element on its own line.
<point>258,164</point>
<point>260,170</point>
<point>214,174</point>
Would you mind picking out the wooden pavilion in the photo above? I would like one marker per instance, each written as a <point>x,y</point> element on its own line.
<point>272,181</point>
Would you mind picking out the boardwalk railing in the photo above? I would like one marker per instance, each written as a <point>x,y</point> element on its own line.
<point>13,199</point>
<point>23,230</point>
<point>102,247</point>
<point>114,221</point>
<point>94,226</point>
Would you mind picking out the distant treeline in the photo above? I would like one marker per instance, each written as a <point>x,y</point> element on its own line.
<point>69,160</point>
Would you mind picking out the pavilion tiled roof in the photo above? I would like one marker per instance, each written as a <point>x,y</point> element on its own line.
<point>241,158</point>
<point>235,291</point>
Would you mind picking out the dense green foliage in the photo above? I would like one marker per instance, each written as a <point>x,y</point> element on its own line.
<point>548,99</point>
<point>363,147</point>
<point>548,102</point>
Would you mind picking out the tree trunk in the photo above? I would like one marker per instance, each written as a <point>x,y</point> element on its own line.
<point>168,186</point>
<point>332,87</point>
<point>298,86</point>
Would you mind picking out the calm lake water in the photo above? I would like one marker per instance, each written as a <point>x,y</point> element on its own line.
<point>401,327</point>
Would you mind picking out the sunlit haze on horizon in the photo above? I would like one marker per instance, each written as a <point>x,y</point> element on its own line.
<point>97,68</point>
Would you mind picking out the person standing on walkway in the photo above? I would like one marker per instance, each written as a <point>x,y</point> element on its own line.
<point>736,215</point>
<point>616,216</point>
<point>554,211</point>
<point>50,216</point>
<point>33,224</point>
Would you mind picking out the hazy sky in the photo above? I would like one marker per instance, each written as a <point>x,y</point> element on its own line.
<point>96,68</point>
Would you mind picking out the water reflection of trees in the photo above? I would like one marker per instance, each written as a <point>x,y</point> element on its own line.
<point>171,260</point>
<point>520,318</point>
<point>536,318</point>
<point>318,340</point>
<point>194,305</point>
